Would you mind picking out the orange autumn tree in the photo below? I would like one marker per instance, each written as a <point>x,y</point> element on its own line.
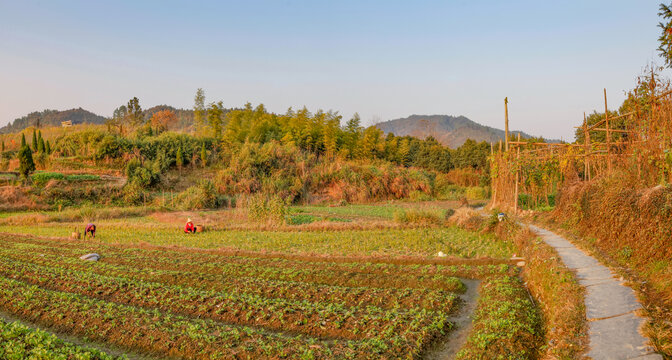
<point>163,120</point>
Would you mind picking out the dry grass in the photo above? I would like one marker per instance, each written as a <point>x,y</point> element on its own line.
<point>467,218</point>
<point>14,198</point>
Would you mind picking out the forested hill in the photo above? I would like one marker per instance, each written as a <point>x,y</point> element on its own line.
<point>52,118</point>
<point>449,130</point>
<point>46,118</point>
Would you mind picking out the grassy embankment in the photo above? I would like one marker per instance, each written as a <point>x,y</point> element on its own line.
<point>630,230</point>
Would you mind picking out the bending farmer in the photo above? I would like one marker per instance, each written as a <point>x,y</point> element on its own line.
<point>189,228</point>
<point>90,228</point>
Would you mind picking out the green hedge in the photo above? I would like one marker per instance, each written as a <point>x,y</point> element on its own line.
<point>44,177</point>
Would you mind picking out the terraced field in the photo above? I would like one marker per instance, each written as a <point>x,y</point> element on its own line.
<point>201,304</point>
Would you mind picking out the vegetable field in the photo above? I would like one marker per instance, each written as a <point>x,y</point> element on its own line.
<point>200,304</point>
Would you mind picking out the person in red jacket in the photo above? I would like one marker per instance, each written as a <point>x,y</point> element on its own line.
<point>189,228</point>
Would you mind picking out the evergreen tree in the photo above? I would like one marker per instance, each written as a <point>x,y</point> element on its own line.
<point>215,114</point>
<point>134,112</point>
<point>26,163</point>
<point>179,159</point>
<point>199,110</point>
<point>47,147</point>
<point>3,145</point>
<point>665,38</point>
<point>34,143</point>
<point>204,155</point>
<point>23,140</point>
<point>353,131</point>
<point>40,145</point>
<point>329,137</point>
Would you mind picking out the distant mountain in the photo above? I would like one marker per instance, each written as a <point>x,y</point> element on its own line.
<point>52,118</point>
<point>449,130</point>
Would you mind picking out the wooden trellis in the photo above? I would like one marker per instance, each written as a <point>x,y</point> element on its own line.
<point>597,157</point>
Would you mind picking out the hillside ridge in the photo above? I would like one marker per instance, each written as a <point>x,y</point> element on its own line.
<point>449,130</point>
<point>49,117</point>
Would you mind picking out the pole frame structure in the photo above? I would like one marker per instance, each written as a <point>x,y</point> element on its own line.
<point>506,123</point>
<point>608,135</point>
<point>515,195</point>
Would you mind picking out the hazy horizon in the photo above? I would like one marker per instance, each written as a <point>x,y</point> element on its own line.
<point>384,60</point>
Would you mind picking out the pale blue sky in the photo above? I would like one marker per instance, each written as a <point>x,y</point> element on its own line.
<point>383,59</point>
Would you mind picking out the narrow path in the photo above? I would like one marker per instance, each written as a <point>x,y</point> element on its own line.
<point>462,321</point>
<point>613,325</point>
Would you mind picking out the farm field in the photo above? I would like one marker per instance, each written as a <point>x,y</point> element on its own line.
<point>263,294</point>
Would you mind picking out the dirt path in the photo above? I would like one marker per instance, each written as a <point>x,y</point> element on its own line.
<point>463,321</point>
<point>611,307</point>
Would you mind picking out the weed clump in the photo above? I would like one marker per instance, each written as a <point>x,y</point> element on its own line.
<point>266,209</point>
<point>201,196</point>
<point>417,217</point>
<point>467,218</point>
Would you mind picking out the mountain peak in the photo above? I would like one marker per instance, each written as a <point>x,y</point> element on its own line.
<point>449,130</point>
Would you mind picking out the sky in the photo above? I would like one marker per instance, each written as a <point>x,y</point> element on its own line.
<point>383,59</point>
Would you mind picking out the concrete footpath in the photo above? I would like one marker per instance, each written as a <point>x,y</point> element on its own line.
<point>613,325</point>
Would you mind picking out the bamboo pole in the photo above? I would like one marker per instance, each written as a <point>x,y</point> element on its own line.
<point>606,121</point>
<point>515,195</point>
<point>494,188</point>
<point>506,123</point>
<point>614,130</point>
<point>586,138</point>
<point>591,127</point>
<point>540,143</point>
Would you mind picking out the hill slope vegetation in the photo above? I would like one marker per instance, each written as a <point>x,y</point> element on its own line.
<point>47,118</point>
<point>449,130</point>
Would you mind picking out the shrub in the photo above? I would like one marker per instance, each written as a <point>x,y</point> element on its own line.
<point>201,196</point>
<point>467,218</point>
<point>270,209</point>
<point>134,194</point>
<point>476,193</point>
<point>449,192</point>
<point>301,219</point>
<point>419,196</point>
<point>141,175</point>
<point>108,148</point>
<point>414,216</point>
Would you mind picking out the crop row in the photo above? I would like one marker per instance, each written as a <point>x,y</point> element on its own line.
<point>342,274</point>
<point>166,334</point>
<point>18,341</point>
<point>507,324</point>
<point>205,257</point>
<point>303,272</point>
<point>389,242</point>
<point>291,290</point>
<point>315,319</point>
<point>149,331</point>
